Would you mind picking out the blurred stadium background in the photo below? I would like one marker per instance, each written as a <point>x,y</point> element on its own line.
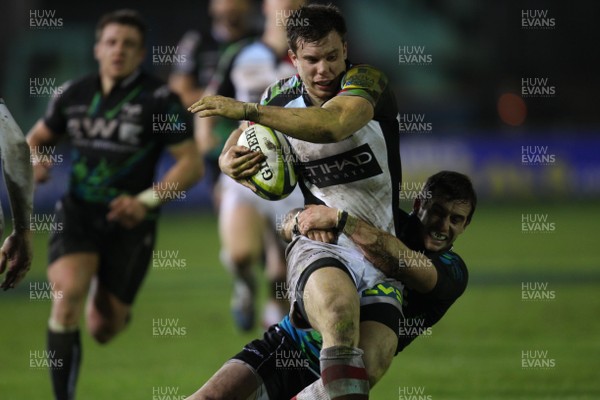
<point>495,95</point>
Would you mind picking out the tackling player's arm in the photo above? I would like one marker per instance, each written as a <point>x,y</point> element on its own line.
<point>384,250</point>
<point>16,252</point>
<point>337,119</point>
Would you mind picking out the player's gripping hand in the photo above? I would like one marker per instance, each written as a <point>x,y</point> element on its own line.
<point>318,223</point>
<point>127,211</point>
<point>240,163</point>
<point>317,217</point>
<point>221,106</point>
<point>16,254</point>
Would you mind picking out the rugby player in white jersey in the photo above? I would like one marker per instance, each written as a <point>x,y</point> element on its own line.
<point>247,223</point>
<point>16,252</point>
<point>341,120</point>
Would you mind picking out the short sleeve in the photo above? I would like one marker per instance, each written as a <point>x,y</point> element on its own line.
<point>364,81</point>
<point>169,103</point>
<point>55,118</point>
<point>452,276</point>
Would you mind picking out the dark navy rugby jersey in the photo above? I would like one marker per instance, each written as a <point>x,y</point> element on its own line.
<point>117,139</point>
<point>423,310</point>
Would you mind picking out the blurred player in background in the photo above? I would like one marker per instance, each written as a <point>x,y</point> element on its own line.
<point>286,359</point>
<point>110,212</point>
<point>341,119</point>
<point>16,252</point>
<point>247,223</point>
<point>231,21</point>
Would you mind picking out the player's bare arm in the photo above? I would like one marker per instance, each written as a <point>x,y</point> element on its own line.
<point>384,250</point>
<point>187,170</point>
<point>16,252</point>
<point>334,121</point>
<point>40,135</point>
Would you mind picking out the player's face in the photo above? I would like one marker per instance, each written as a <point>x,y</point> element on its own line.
<point>443,221</point>
<point>320,65</point>
<point>119,51</point>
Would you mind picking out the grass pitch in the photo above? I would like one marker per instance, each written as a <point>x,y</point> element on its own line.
<point>476,352</point>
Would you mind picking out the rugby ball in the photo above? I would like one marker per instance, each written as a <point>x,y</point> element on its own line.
<point>276,178</point>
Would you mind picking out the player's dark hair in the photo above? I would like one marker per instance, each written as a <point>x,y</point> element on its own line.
<point>122,17</point>
<point>450,186</point>
<point>312,23</point>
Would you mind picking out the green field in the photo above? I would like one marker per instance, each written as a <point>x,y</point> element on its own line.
<point>474,353</point>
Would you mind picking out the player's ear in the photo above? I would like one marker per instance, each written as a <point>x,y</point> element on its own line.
<point>345,50</point>
<point>416,205</point>
<point>293,57</point>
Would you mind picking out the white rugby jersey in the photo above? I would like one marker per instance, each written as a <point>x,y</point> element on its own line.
<point>247,68</point>
<point>362,173</point>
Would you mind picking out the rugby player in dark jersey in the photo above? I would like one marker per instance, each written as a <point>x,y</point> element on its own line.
<point>16,252</point>
<point>108,216</point>
<point>286,359</point>
<point>340,120</point>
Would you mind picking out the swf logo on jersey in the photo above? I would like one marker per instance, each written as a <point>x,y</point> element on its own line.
<point>167,55</point>
<point>168,191</point>
<point>536,223</point>
<point>412,327</point>
<point>44,359</point>
<point>414,55</point>
<point>414,123</point>
<point>168,328</point>
<point>537,87</point>
<point>44,155</point>
<point>413,259</point>
<point>536,291</point>
<point>44,19</point>
<point>169,260</point>
<point>413,393</point>
<point>290,359</point>
<point>44,223</point>
<point>168,123</point>
<point>289,18</point>
<point>536,359</point>
<point>537,19</point>
<point>44,87</point>
<point>414,190</point>
<point>166,393</point>
<point>44,291</point>
<point>537,155</point>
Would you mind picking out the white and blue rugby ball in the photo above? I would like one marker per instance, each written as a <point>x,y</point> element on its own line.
<point>276,178</point>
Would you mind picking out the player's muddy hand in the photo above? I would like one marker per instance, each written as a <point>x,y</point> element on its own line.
<point>227,107</point>
<point>240,162</point>
<point>322,236</point>
<point>16,254</point>
<point>127,211</point>
<point>317,217</point>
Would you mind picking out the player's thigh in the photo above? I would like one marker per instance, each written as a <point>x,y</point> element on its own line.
<point>233,381</point>
<point>274,255</point>
<point>105,310</point>
<point>379,344</point>
<point>70,276</point>
<point>241,228</point>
